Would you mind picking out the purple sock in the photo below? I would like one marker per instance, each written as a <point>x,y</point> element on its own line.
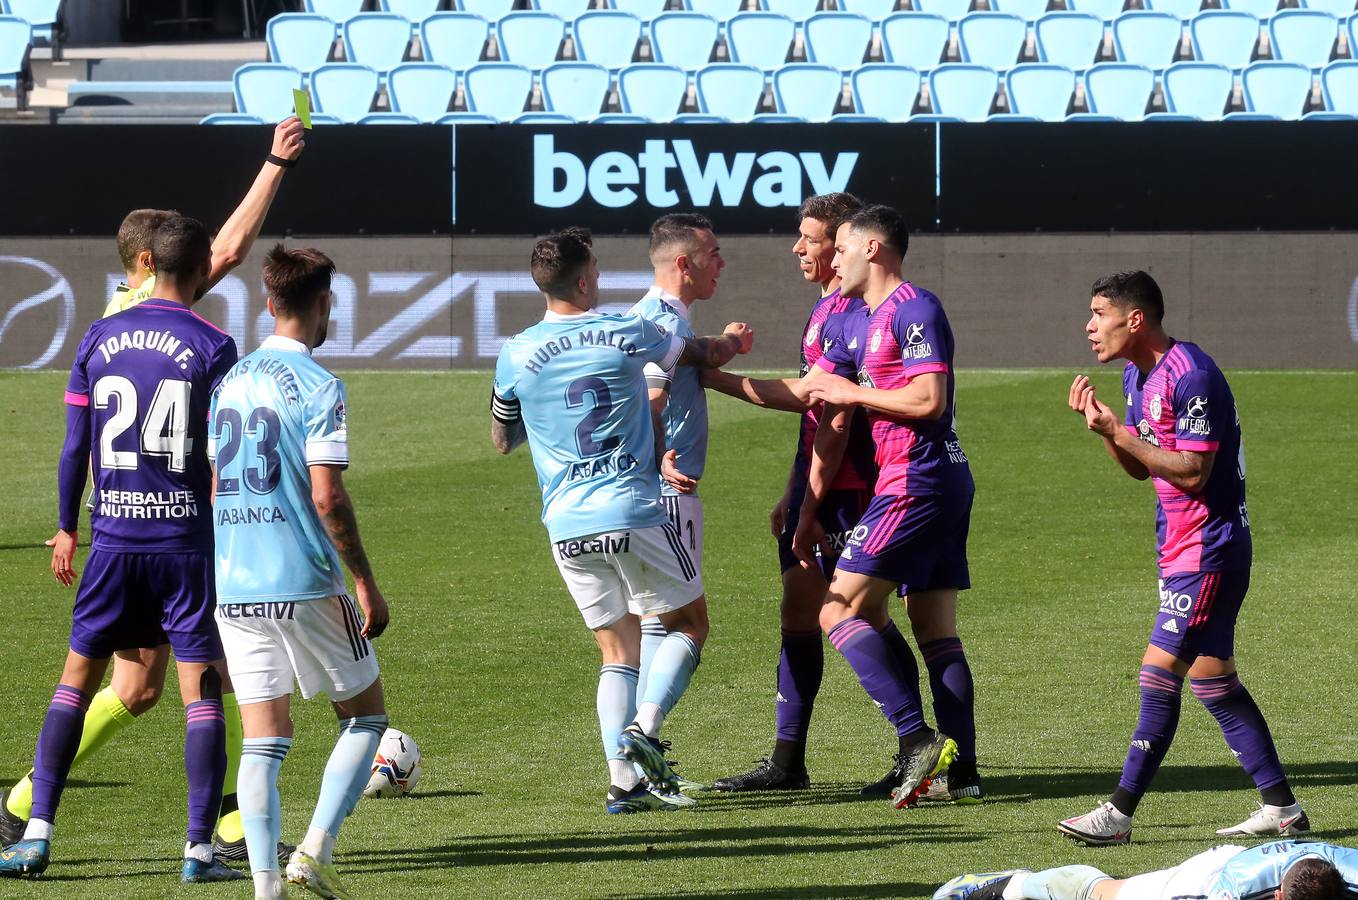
<point>205,764</point>
<point>873,661</point>
<point>900,650</point>
<point>801,664</point>
<point>954,696</point>
<point>1246,731</point>
<point>57,744</point>
<point>1160,691</point>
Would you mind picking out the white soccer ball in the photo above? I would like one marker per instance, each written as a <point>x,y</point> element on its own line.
<point>396,766</point>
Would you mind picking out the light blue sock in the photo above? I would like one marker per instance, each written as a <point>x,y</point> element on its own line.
<point>617,704</point>
<point>1065,883</point>
<point>347,771</point>
<point>261,814</point>
<point>671,671</point>
<point>652,636</point>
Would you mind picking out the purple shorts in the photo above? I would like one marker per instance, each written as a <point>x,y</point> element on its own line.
<point>919,543</point>
<point>838,514</point>
<point>1197,613</point>
<point>132,600</point>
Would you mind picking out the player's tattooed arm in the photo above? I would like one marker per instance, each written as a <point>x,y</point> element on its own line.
<point>718,350</point>
<point>336,510</point>
<point>1187,470</point>
<point>507,430</point>
<point>827,453</point>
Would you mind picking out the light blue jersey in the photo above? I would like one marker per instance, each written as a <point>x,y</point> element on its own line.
<point>686,411</point>
<point>1254,874</point>
<point>277,412</point>
<point>577,383</point>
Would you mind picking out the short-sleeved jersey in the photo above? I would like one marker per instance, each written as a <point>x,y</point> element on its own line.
<point>685,415</point>
<point>858,468</point>
<point>125,297</point>
<point>908,335</point>
<point>147,376</point>
<point>1184,403</point>
<point>578,383</point>
<point>1255,873</point>
<point>278,411</point>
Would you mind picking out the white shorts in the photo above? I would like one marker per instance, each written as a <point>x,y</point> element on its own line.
<point>1193,877</point>
<point>685,512</point>
<point>317,642</point>
<point>644,571</point>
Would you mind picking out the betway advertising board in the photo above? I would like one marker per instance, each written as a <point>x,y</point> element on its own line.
<point>748,179</point>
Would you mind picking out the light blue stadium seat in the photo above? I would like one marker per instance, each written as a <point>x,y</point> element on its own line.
<point>875,10</point>
<point>1276,88</point>
<point>415,11</point>
<point>838,39</point>
<point>568,10</point>
<point>1184,9</point>
<point>544,118</point>
<point>885,90</point>
<point>467,118</point>
<point>856,118</point>
<point>576,89</point>
<point>760,39</point>
<point>1327,116</point>
<point>1091,117</point>
<point>1305,36</point>
<point>607,37</point>
<point>645,10</point>
<point>1340,9</point>
<point>1339,85</point>
<point>729,90</point>
<point>1041,90</point>
<point>377,40</point>
<point>300,40</point>
<point>934,118</point>
<point>1028,10</point>
<point>683,39</point>
<point>991,39</point>
<point>721,10</point>
<point>621,119</point>
<point>531,39</point>
<point>42,16</point>
<point>1108,10</point>
<point>698,119</point>
<point>264,89</point>
<point>346,90</point>
<point>231,119</point>
<point>325,119</point>
<point>808,91</point>
<point>1150,39</point>
<point>1198,89</point>
<point>1170,117</point>
<point>1260,9</point>
<point>952,10</point>
<point>1224,37</point>
<point>388,118</point>
<point>1069,39</point>
<point>777,119</point>
<point>1121,90</point>
<point>1011,117</point>
<point>796,10</point>
<point>652,90</point>
<point>490,10</point>
<point>1249,117</point>
<point>337,11</point>
<point>914,39</point>
<point>499,90</point>
<point>963,91</point>
<point>455,39</point>
<point>16,45</point>
<point>422,90</point>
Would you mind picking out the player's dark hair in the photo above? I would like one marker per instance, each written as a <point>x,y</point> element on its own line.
<point>1313,878</point>
<point>677,229</point>
<point>1132,289</point>
<point>832,209</point>
<point>295,279</point>
<point>885,223</point>
<point>559,259</point>
<point>180,246</point>
<point>135,234</point>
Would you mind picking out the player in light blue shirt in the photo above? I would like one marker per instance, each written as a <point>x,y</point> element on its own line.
<point>279,437</point>
<point>572,386</point>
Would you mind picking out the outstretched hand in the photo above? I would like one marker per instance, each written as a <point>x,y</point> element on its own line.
<point>744,333</point>
<point>287,138</point>
<point>669,470</point>
<point>1099,417</point>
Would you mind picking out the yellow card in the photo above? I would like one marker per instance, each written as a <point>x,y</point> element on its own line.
<point>301,101</point>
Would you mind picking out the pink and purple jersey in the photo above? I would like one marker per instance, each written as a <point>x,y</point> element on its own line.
<point>907,336</point>
<point>1184,403</point>
<point>857,469</point>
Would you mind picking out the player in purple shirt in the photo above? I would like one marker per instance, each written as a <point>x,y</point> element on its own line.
<point>1182,431</point>
<point>137,405</point>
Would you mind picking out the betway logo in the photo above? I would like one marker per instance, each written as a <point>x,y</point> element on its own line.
<point>610,177</point>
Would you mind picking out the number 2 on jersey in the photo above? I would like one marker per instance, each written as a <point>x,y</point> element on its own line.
<point>603,405</point>
<point>265,427</point>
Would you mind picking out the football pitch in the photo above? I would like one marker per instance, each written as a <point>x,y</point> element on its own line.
<point>488,666</point>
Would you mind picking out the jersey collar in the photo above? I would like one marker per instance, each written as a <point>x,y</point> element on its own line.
<point>550,316</point>
<point>278,342</point>
<point>657,292</point>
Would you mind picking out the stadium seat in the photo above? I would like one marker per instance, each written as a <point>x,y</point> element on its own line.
<point>934,118</point>
<point>683,39</point>
<point>414,11</point>
<point>875,10</point>
<point>963,91</point>
<point>796,10</point>
<point>991,39</point>
<point>729,90</point>
<point>325,119</point>
<point>377,40</point>
<point>490,10</point>
<point>886,91</point>
<point>1340,9</point>
<point>837,39</point>
<point>231,119</point>
<point>1120,90</point>
<point>544,118</point>
<point>607,37</point>
<point>1108,10</point>
<point>388,118</point>
<point>1327,116</point>
<point>300,40</point>
<point>1170,117</point>
<point>576,89</point>
<point>1249,117</point>
<point>645,10</point>
<point>497,89</point>
<point>808,91</point>
<point>1305,36</point>
<point>568,10</point>
<point>43,16</point>
<point>1091,117</point>
<point>1224,38</point>
<point>1041,90</point>
<point>1069,39</point>
<point>952,10</point>
<point>1028,10</point>
<point>1184,9</point>
<point>422,90</point>
<point>914,39</point>
<point>1262,10</point>
<point>1010,117</point>
<point>856,118</point>
<point>760,39</point>
<point>652,90</point>
<point>531,39</point>
<point>467,118</point>
<point>1150,39</point>
<point>621,119</point>
<point>777,119</point>
<point>456,40</point>
<point>346,90</point>
<point>1276,88</point>
<point>337,11</point>
<point>697,119</point>
<point>1339,85</point>
<point>16,45</point>
<point>1198,89</point>
<point>261,89</point>
<point>721,10</point>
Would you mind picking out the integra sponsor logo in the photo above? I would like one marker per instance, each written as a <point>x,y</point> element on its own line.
<point>610,177</point>
<point>605,544</point>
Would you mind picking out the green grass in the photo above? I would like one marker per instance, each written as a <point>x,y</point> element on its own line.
<point>488,666</point>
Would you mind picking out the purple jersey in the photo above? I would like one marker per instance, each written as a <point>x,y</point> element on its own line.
<point>1184,403</point>
<point>145,378</point>
<point>857,469</point>
<point>907,336</point>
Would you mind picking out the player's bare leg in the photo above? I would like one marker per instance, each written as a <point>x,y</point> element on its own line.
<point>933,620</point>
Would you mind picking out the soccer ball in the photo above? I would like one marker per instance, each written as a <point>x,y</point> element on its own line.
<point>396,766</point>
